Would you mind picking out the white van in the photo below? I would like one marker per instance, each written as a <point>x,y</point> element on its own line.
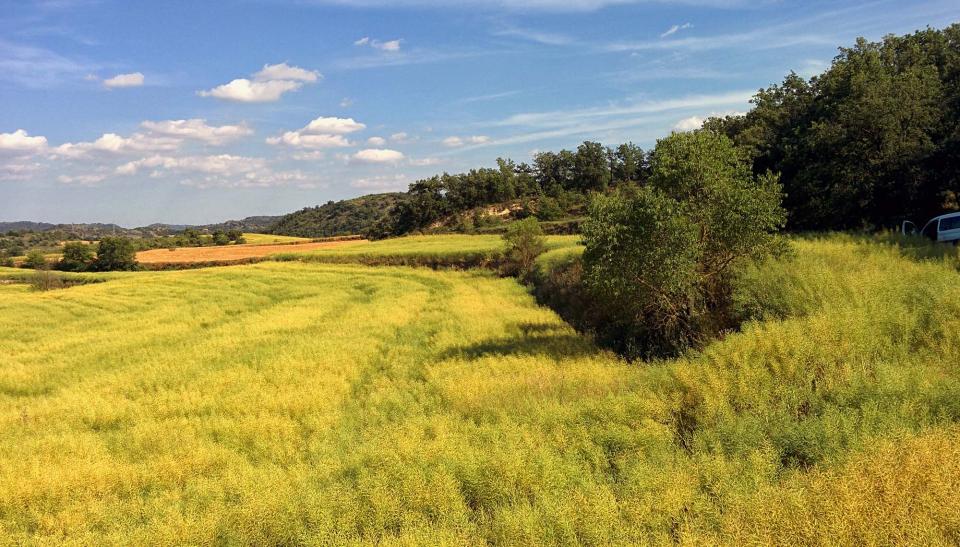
<point>944,228</point>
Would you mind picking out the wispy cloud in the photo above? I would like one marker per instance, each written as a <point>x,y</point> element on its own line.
<point>38,67</point>
<point>540,37</point>
<point>675,29</point>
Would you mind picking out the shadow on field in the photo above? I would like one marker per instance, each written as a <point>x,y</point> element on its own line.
<point>533,339</point>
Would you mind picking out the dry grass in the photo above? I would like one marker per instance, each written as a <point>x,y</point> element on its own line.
<point>227,253</point>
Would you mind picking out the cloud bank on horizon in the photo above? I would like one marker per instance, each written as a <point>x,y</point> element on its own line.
<point>192,115</point>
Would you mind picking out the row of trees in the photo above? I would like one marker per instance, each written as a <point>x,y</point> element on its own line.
<point>565,177</point>
<point>870,142</point>
<point>109,254</point>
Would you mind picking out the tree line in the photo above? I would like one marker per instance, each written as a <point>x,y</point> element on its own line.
<point>872,141</point>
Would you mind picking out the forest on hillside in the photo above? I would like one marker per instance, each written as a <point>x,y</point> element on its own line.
<point>872,141</point>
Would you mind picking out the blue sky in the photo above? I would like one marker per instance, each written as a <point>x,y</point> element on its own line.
<point>194,112</point>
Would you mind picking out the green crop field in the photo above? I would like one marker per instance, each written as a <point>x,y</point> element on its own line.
<point>303,403</point>
<point>452,249</point>
<point>270,239</point>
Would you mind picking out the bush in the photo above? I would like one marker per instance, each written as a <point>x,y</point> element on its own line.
<point>6,261</point>
<point>115,253</point>
<point>35,260</point>
<point>77,257</point>
<point>524,242</point>
<point>548,209</point>
<point>661,260</point>
<point>45,280</point>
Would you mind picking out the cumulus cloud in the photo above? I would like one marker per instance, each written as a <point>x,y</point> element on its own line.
<point>675,29</point>
<point>197,129</point>
<point>222,170</point>
<point>242,90</point>
<point>400,137</point>
<point>323,132</point>
<point>21,142</point>
<point>389,45</point>
<point>283,71</point>
<point>689,124</point>
<point>454,141</point>
<point>297,139</point>
<point>333,125</point>
<point>82,180</point>
<point>376,141</point>
<point>116,144</point>
<point>377,155</point>
<point>268,85</point>
<point>17,171</point>
<point>133,79</point>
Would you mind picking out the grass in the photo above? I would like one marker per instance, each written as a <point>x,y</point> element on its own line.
<point>270,239</point>
<point>300,403</point>
<point>458,250</point>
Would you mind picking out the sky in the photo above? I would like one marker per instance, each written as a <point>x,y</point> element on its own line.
<point>186,112</point>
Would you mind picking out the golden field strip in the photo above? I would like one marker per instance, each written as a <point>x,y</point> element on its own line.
<point>228,253</point>
<point>300,403</point>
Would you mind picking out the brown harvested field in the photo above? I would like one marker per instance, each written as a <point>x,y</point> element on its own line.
<point>228,253</point>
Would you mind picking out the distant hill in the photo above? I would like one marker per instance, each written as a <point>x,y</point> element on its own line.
<point>336,218</point>
<point>96,230</point>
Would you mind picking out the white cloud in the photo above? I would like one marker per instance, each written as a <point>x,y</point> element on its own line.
<point>82,180</point>
<point>422,162</point>
<point>346,102</point>
<point>376,141</point>
<point>382,183</point>
<point>244,91</point>
<point>113,143</point>
<point>401,137</point>
<point>676,28</point>
<point>560,118</point>
<point>452,142</point>
<point>297,139</point>
<point>133,79</point>
<point>20,141</point>
<point>323,132</point>
<point>197,129</point>
<point>689,124</point>
<point>283,71</point>
<point>222,170</point>
<point>19,171</point>
<point>389,45</point>
<point>333,125</point>
<point>377,155</point>
<point>267,86</point>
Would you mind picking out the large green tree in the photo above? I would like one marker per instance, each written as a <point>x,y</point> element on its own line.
<point>661,258</point>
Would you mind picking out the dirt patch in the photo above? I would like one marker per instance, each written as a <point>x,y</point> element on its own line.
<point>228,253</point>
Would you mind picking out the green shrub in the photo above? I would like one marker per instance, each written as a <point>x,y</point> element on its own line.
<point>115,253</point>
<point>661,259</point>
<point>35,260</point>
<point>77,257</point>
<point>524,242</point>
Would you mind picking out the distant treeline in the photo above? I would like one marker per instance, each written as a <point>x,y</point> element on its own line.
<point>337,218</point>
<point>870,142</point>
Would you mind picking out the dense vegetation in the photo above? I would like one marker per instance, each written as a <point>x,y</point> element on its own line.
<point>337,218</point>
<point>661,260</point>
<point>286,403</point>
<point>870,142</point>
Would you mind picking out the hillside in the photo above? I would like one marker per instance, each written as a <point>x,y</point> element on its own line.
<point>298,403</point>
<point>337,218</point>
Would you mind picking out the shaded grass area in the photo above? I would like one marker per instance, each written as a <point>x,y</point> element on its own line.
<point>293,403</point>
